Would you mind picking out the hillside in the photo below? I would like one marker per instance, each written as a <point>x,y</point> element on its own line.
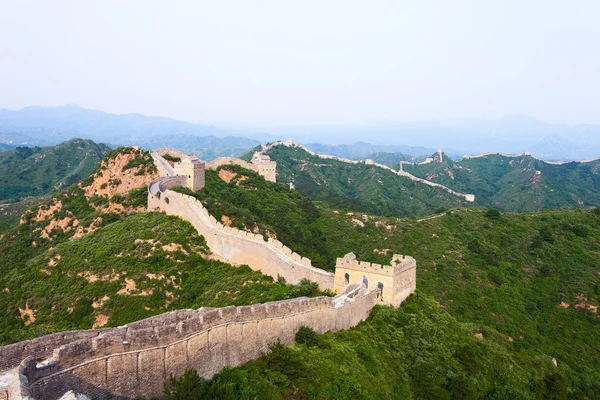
<point>499,297</point>
<point>514,184</point>
<point>4,147</point>
<point>526,277</point>
<point>358,187</point>
<point>37,171</point>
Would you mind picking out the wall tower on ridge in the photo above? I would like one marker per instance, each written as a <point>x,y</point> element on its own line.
<point>266,167</point>
<point>393,283</point>
<point>193,169</point>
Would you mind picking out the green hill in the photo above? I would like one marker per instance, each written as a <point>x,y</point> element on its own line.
<point>358,187</point>
<point>514,183</point>
<point>499,297</point>
<point>36,171</point>
<point>4,146</point>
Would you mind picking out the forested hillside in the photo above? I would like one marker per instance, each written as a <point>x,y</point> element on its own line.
<point>358,187</point>
<point>4,146</point>
<point>521,184</point>
<point>35,171</point>
<point>527,281</point>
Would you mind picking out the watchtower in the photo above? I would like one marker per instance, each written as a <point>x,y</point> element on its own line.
<point>393,283</point>
<point>266,167</point>
<point>193,169</point>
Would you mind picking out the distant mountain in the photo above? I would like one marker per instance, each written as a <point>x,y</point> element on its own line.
<point>37,171</point>
<point>520,184</point>
<point>358,187</point>
<point>43,126</point>
<point>4,147</point>
<point>511,134</point>
<point>205,147</point>
<point>362,150</point>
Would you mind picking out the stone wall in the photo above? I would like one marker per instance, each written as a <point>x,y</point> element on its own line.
<point>40,348</point>
<point>237,247</point>
<point>290,143</point>
<point>218,162</point>
<point>135,360</point>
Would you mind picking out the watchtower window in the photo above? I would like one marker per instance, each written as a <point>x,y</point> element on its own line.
<point>347,277</point>
<point>189,176</point>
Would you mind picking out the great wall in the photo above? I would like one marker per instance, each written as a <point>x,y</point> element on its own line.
<point>134,360</point>
<point>401,172</point>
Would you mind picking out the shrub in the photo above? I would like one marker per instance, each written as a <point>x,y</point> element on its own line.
<point>308,337</point>
<point>190,386</point>
<point>492,214</point>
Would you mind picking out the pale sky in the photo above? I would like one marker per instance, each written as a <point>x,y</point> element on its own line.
<point>305,62</point>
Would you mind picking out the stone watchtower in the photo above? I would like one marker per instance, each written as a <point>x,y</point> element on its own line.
<point>393,283</point>
<point>266,167</point>
<point>193,169</point>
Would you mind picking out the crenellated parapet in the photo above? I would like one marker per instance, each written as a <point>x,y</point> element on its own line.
<point>261,164</point>
<point>134,360</point>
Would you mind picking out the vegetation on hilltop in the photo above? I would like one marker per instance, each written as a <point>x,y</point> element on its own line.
<point>251,203</point>
<point>513,183</point>
<point>527,285</point>
<point>36,171</point>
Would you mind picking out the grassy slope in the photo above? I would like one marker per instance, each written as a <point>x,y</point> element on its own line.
<point>41,170</point>
<point>358,187</point>
<point>510,184</point>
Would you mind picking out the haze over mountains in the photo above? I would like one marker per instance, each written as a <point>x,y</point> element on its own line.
<point>40,126</point>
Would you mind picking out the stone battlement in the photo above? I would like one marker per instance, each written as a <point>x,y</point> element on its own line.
<point>350,262</point>
<point>238,247</point>
<point>393,283</point>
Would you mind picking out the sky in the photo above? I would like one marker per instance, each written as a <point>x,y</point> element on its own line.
<point>264,62</point>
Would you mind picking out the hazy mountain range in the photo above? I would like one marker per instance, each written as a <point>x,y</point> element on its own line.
<point>43,126</point>
<point>513,134</point>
